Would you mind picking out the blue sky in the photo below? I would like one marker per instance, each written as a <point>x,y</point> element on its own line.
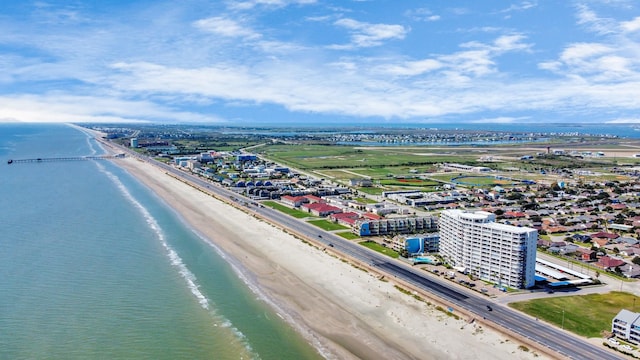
<point>251,62</point>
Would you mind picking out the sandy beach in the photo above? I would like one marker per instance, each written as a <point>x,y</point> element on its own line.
<point>345,312</point>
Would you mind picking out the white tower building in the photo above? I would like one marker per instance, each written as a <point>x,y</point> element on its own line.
<point>475,243</point>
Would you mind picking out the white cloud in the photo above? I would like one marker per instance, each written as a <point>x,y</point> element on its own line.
<point>470,63</point>
<point>226,27</point>
<point>624,121</point>
<point>578,53</point>
<point>60,107</point>
<point>593,22</point>
<point>501,120</point>
<point>525,5</point>
<point>598,62</point>
<point>421,14</point>
<point>366,35</point>
<point>631,26</point>
<point>413,68</point>
<point>174,69</point>
<point>613,59</point>
<point>250,4</point>
<point>510,43</point>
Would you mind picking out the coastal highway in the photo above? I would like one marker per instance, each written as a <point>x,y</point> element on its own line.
<point>562,342</point>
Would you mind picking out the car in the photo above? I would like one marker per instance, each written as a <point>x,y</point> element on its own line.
<point>320,236</point>
<point>489,308</point>
<point>330,244</point>
<point>626,347</point>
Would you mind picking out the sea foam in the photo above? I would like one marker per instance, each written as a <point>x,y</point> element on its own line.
<point>177,262</point>
<point>173,256</point>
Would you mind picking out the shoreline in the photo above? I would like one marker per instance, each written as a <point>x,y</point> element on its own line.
<point>342,311</point>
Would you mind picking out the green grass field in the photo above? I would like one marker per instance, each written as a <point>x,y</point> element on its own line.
<point>287,210</point>
<point>327,225</point>
<point>340,157</point>
<point>379,248</point>
<point>371,190</point>
<point>410,183</point>
<point>586,315</point>
<point>365,200</point>
<point>348,235</point>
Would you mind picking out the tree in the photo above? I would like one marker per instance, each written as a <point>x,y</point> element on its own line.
<point>514,196</point>
<point>636,260</point>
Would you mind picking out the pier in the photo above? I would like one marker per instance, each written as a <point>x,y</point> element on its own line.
<point>72,158</point>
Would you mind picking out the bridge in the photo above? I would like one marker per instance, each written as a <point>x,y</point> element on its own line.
<point>71,158</point>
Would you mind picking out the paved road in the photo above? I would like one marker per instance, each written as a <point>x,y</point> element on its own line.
<point>559,341</point>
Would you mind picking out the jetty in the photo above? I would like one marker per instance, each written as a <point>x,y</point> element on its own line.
<point>71,158</point>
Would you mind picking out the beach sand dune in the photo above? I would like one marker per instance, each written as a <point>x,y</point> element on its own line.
<point>344,311</point>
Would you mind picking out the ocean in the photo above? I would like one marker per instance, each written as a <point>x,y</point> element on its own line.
<point>93,265</point>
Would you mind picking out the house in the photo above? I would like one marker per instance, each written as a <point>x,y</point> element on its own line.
<point>630,270</point>
<point>630,251</point>
<point>313,199</point>
<point>626,240</point>
<point>371,216</point>
<point>608,263</point>
<point>568,249</point>
<point>556,229</point>
<point>294,201</point>
<point>345,218</point>
<point>581,238</point>
<point>545,243</point>
<point>618,207</point>
<point>600,242</point>
<point>320,209</point>
<point>605,235</point>
<point>586,254</point>
<point>513,215</point>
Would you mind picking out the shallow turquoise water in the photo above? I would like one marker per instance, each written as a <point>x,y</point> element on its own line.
<point>94,266</point>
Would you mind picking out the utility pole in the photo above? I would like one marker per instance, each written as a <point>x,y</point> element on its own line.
<point>562,319</point>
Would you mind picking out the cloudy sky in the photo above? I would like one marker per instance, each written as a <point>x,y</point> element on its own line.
<point>320,61</point>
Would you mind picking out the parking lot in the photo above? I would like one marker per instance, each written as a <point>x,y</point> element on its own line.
<point>463,280</point>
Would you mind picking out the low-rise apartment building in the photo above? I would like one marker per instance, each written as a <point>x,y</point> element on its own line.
<point>627,325</point>
<point>416,244</point>
<point>403,225</point>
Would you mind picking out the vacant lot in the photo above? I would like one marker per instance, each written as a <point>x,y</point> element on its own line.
<point>327,225</point>
<point>586,315</point>
<point>293,212</point>
<point>379,248</point>
<point>317,157</point>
